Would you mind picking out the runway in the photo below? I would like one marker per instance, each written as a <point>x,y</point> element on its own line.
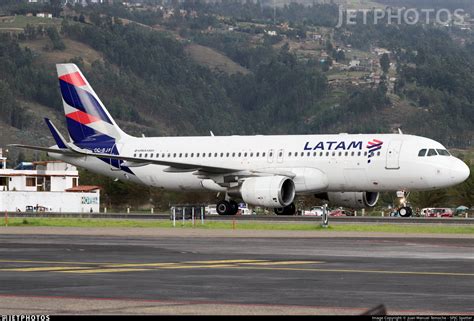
<point>167,271</point>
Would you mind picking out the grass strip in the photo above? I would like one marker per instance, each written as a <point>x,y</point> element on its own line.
<point>104,223</point>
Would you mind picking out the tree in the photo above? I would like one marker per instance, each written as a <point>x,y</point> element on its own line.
<point>385,62</point>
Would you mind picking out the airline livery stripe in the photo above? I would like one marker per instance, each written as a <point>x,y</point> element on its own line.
<point>82,100</point>
<point>74,79</point>
<point>374,146</point>
<point>82,117</point>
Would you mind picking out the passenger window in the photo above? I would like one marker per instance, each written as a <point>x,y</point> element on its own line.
<point>365,153</point>
<point>432,152</point>
<point>358,153</point>
<point>258,154</point>
<point>327,153</point>
<point>321,154</point>
<point>245,154</point>
<point>134,155</point>
<point>174,155</point>
<point>340,154</point>
<point>186,155</point>
<point>140,155</point>
<point>333,154</point>
<point>180,155</point>
<point>422,153</point>
<point>209,155</point>
<point>146,155</point>
<point>302,154</point>
<point>233,154</point>
<point>347,154</point>
<point>192,154</point>
<point>215,154</point>
<point>251,154</point>
<point>378,153</point>
<point>352,153</point>
<point>163,155</point>
<point>239,154</point>
<point>270,154</point>
<point>315,154</point>
<point>197,155</point>
<point>296,154</point>
<point>263,154</point>
<point>289,153</point>
<point>169,155</point>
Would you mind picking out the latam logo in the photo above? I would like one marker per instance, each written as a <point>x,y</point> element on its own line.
<point>373,146</point>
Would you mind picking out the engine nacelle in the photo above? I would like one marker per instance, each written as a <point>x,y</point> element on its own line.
<point>269,191</point>
<point>352,199</point>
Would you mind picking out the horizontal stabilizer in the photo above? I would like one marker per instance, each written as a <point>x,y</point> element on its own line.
<point>58,138</point>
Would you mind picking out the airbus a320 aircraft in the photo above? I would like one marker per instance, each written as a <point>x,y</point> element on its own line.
<point>268,171</point>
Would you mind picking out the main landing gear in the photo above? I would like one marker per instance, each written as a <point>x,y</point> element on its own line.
<point>287,210</point>
<point>227,207</point>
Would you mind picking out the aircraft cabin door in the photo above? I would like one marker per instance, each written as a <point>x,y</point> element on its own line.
<point>280,156</point>
<point>393,155</point>
<point>270,156</point>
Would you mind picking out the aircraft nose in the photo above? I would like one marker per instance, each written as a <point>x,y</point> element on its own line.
<point>460,171</point>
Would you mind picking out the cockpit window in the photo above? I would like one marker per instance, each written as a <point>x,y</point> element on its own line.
<point>443,152</point>
<point>432,152</point>
<point>422,152</point>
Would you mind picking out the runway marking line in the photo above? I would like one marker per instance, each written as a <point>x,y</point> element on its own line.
<point>284,263</point>
<point>231,264</point>
<point>354,271</point>
<point>102,271</point>
<point>199,266</point>
<point>225,261</point>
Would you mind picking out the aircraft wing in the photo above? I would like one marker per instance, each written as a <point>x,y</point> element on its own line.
<point>46,149</point>
<point>174,167</point>
<point>73,150</point>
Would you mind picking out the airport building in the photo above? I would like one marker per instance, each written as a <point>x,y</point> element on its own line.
<point>49,186</point>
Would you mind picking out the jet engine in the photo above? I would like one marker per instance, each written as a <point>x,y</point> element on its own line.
<point>351,199</point>
<point>269,191</point>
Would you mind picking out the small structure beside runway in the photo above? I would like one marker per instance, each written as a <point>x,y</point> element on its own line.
<point>46,186</point>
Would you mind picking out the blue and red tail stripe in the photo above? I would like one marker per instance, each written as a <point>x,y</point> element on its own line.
<point>82,100</point>
<point>74,79</point>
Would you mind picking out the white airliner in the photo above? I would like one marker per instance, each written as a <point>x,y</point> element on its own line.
<point>267,171</point>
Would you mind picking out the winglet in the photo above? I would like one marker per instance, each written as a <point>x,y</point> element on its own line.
<point>59,139</point>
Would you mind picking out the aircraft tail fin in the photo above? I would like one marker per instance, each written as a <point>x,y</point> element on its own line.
<point>88,121</point>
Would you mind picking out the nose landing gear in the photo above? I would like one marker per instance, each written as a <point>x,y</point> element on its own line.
<point>405,210</point>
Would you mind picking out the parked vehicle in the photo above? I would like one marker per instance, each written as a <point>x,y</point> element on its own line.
<point>211,210</point>
<point>314,211</point>
<point>37,208</point>
<point>244,210</point>
<point>440,212</point>
<point>341,212</point>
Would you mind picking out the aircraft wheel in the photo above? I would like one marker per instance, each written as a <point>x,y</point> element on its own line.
<point>405,211</point>
<point>223,208</point>
<point>234,207</point>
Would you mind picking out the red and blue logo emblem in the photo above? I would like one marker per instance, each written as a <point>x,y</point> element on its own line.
<point>373,146</point>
